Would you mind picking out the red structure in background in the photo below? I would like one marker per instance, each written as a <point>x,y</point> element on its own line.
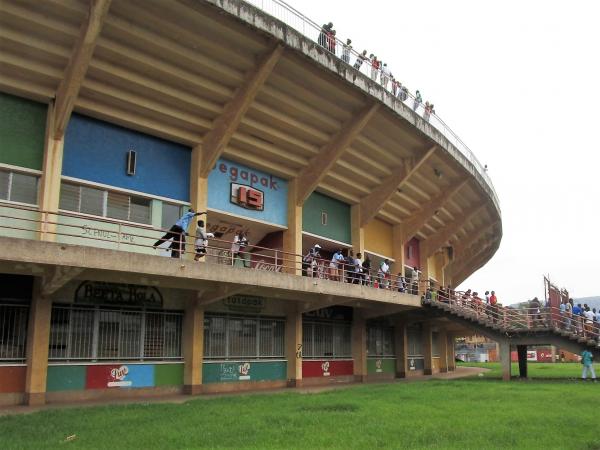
<point>554,296</point>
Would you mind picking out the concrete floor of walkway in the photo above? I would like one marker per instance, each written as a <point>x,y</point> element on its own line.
<point>460,372</point>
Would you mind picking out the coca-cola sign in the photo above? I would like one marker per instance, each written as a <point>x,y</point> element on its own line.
<point>269,266</point>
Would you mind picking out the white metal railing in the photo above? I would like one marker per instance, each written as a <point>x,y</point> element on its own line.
<point>295,19</point>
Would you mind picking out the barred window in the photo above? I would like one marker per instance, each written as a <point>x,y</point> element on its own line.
<point>435,343</point>
<point>114,334</point>
<point>322,339</point>
<point>19,187</point>
<point>13,332</point>
<point>415,340</point>
<point>104,203</point>
<point>247,337</point>
<point>380,340</point>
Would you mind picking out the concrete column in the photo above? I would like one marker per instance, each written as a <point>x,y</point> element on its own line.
<point>443,351</point>
<point>424,277</point>
<point>504,347</point>
<point>50,180</point>
<point>553,353</point>
<point>293,347</point>
<point>450,358</point>
<point>38,336</point>
<point>359,346</point>
<point>401,348</point>
<point>398,250</point>
<point>427,349</point>
<point>292,237</point>
<point>357,232</point>
<point>198,198</point>
<point>193,348</point>
<point>522,354</point>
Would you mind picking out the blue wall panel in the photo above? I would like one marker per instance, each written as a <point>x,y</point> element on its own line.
<point>274,188</point>
<point>97,151</point>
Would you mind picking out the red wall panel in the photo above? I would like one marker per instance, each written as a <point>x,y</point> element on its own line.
<point>12,379</point>
<point>327,368</point>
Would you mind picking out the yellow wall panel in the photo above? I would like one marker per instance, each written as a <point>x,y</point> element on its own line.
<point>378,237</point>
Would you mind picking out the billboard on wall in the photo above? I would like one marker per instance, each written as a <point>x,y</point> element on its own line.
<point>244,191</point>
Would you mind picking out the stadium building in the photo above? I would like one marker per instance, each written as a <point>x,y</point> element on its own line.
<point>117,116</point>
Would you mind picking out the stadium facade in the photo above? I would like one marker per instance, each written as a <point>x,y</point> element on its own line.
<point>117,116</point>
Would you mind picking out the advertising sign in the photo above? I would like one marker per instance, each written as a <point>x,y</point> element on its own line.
<point>245,303</point>
<point>101,293</point>
<point>247,197</point>
<point>234,371</point>
<point>327,368</point>
<point>119,376</point>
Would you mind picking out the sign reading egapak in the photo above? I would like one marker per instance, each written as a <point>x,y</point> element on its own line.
<point>102,293</point>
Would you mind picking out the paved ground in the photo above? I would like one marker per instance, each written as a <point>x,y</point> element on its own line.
<point>180,398</point>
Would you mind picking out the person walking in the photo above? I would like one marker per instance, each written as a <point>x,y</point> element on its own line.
<point>177,233</point>
<point>587,359</point>
<point>201,240</point>
<point>385,75</point>
<point>331,41</point>
<point>240,241</point>
<point>334,265</point>
<point>325,29</point>
<point>358,269</point>
<point>384,274</point>
<point>374,68</point>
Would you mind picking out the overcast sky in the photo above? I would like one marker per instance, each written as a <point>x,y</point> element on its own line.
<point>518,81</point>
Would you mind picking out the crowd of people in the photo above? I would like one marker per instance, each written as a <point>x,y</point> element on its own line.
<point>377,69</point>
<point>579,319</point>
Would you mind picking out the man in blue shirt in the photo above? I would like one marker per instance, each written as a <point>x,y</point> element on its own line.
<point>586,360</point>
<point>577,312</point>
<point>178,233</point>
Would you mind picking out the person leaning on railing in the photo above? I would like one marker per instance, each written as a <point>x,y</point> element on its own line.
<point>177,233</point>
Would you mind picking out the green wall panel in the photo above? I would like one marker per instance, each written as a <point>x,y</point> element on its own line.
<point>229,371</point>
<point>66,378</point>
<point>338,217</point>
<point>22,129</point>
<point>168,374</point>
<point>386,366</point>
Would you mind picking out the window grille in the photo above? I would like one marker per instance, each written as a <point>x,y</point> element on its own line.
<point>114,334</point>
<point>13,332</point>
<point>415,340</point>
<point>19,187</point>
<point>243,337</point>
<point>380,340</point>
<point>326,340</point>
<point>104,203</point>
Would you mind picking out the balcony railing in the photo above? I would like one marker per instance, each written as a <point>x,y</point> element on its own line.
<point>295,19</point>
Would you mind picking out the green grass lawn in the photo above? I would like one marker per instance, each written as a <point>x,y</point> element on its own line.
<point>477,413</point>
<point>534,370</point>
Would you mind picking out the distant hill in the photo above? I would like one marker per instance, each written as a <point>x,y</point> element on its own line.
<point>593,302</point>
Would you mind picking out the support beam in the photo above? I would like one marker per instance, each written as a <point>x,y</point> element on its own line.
<point>504,347</point>
<point>464,244</point>
<point>415,222</point>
<point>69,87</point>
<point>443,351</point>
<point>357,232</point>
<point>450,356</point>
<point>433,243</point>
<point>373,202</point>
<point>398,250</point>
<point>474,264</point>
<point>359,346</point>
<point>522,355</point>
<point>320,165</point>
<point>214,142</point>
<point>38,337</point>
<point>458,265</point>
<point>292,236</point>
<point>56,277</point>
<point>293,347</point>
<point>193,348</point>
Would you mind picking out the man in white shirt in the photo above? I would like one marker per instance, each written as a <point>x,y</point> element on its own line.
<point>359,276</point>
<point>334,265</point>
<point>384,274</point>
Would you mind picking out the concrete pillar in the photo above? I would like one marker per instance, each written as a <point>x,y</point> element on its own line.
<point>292,237</point>
<point>50,180</point>
<point>427,349</point>
<point>198,198</point>
<point>293,347</point>
<point>522,355</point>
<point>401,348</point>
<point>398,250</point>
<point>504,347</point>
<point>443,351</point>
<point>450,355</point>
<point>193,348</point>
<point>357,232</point>
<point>359,346</point>
<point>38,337</point>
<point>553,353</point>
